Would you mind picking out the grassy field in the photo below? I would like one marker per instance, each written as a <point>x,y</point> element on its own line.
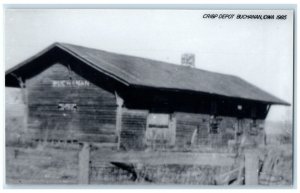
<point>277,165</point>
<point>41,165</point>
<point>38,163</point>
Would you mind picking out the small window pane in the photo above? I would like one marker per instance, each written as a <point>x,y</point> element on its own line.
<point>158,120</point>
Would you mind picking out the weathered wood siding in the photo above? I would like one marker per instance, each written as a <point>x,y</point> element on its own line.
<point>186,125</point>
<point>194,130</point>
<point>253,137</point>
<point>227,131</point>
<point>133,129</point>
<point>94,119</point>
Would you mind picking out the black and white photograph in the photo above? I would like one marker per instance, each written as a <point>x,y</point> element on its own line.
<point>149,97</point>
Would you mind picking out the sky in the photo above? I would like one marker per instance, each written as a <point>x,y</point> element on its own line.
<point>259,51</point>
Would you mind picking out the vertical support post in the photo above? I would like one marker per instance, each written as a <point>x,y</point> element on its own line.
<point>173,129</point>
<point>25,99</point>
<point>251,168</point>
<point>193,139</point>
<point>22,84</point>
<point>84,164</point>
<point>120,103</point>
<point>239,136</point>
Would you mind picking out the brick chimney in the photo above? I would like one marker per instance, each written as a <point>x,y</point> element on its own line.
<point>188,59</point>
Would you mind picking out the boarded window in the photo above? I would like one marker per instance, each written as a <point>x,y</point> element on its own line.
<point>254,127</point>
<point>214,125</point>
<point>160,129</point>
<point>156,120</point>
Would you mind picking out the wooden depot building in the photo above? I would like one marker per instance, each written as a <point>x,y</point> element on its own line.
<point>80,94</point>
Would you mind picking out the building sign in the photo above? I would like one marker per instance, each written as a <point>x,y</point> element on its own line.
<point>70,83</point>
<point>67,107</point>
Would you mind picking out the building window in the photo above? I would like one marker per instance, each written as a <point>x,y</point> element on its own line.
<point>160,129</point>
<point>214,124</point>
<point>254,127</point>
<point>158,120</point>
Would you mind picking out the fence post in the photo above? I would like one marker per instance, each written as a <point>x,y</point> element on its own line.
<point>83,165</point>
<point>251,168</point>
<point>120,103</point>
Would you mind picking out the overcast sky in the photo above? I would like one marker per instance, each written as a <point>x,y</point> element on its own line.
<point>259,51</point>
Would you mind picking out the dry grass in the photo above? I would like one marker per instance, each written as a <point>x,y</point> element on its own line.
<point>29,163</point>
<point>277,165</point>
<point>41,165</point>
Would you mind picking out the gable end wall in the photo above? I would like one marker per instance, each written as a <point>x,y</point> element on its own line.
<point>94,120</point>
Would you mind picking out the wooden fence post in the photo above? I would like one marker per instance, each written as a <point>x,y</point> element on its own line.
<point>84,164</point>
<point>120,103</point>
<point>251,168</point>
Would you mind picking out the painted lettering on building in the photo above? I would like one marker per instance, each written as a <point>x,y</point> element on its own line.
<point>67,107</point>
<point>70,83</point>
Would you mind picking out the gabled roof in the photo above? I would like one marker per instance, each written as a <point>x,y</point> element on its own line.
<point>136,71</point>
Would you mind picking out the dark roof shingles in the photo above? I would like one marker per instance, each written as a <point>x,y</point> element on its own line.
<point>151,73</point>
